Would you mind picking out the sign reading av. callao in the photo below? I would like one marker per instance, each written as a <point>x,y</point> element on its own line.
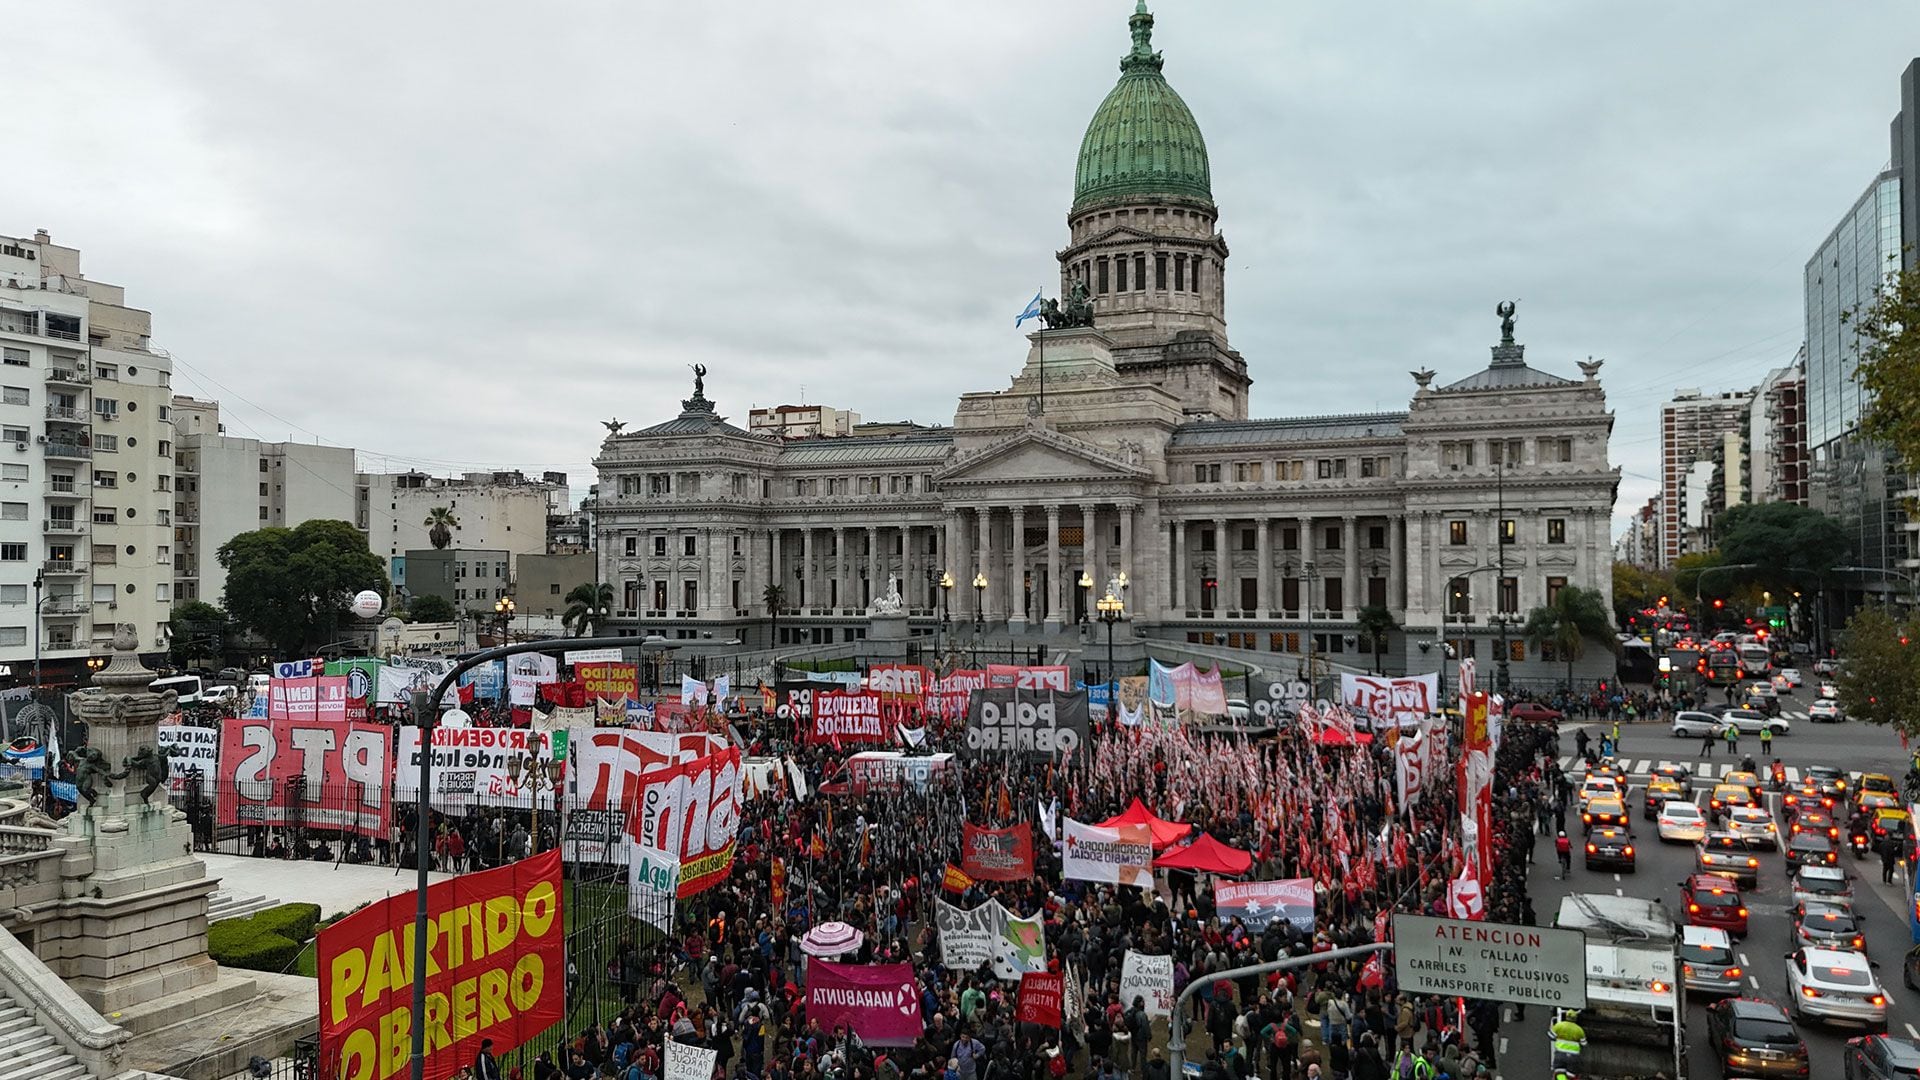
<point>1527,965</point>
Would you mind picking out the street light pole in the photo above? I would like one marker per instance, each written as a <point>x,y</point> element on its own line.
<point>979,601</point>
<point>946,613</point>
<point>39,580</point>
<point>1500,585</point>
<point>1111,608</point>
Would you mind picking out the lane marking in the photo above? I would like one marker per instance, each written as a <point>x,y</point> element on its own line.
<point>1753,981</point>
<point>1744,962</point>
<point>1912,1032</point>
<point>1503,1046</point>
<point>1618,892</point>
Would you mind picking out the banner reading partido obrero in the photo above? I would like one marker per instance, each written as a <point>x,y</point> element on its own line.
<point>495,970</point>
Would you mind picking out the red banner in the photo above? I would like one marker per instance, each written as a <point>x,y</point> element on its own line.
<point>691,810</point>
<point>951,696</point>
<point>611,681</point>
<point>1049,677</point>
<point>1475,779</point>
<point>847,716</point>
<point>323,774</point>
<point>997,854</point>
<point>322,698</point>
<point>900,684</point>
<point>878,1002</point>
<point>496,970</point>
<point>1040,995</point>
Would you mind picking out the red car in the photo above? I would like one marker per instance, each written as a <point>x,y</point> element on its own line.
<point>1534,711</point>
<point>1712,900</point>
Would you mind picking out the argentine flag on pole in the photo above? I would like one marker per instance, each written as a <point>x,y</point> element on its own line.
<point>1032,311</point>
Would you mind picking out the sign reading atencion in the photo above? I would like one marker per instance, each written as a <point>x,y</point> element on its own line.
<point>1527,965</point>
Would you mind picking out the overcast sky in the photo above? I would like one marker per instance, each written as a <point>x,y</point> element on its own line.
<point>457,236</point>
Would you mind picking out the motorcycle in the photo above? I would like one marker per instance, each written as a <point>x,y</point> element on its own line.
<point>1861,843</point>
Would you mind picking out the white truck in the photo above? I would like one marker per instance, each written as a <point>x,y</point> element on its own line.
<point>1636,1008</point>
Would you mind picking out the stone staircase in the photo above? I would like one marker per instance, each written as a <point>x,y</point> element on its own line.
<point>227,904</point>
<point>27,1052</point>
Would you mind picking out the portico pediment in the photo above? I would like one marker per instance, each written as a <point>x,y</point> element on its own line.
<point>1039,455</point>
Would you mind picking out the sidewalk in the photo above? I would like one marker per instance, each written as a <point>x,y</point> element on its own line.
<point>336,889</point>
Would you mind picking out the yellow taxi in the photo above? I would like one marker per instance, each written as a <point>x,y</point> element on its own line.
<point>1729,795</point>
<point>1876,781</point>
<point>1889,821</point>
<point>1604,810</point>
<point>1871,801</point>
<point>1748,780</point>
<point>1659,791</point>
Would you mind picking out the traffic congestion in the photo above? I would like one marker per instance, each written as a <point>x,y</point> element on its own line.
<point>1778,838</point>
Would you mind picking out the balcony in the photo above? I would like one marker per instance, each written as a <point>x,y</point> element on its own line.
<point>59,644</point>
<point>74,376</point>
<point>67,413</point>
<point>63,607</point>
<point>71,451</point>
<point>62,567</point>
<point>182,515</point>
<point>68,489</point>
<point>61,525</point>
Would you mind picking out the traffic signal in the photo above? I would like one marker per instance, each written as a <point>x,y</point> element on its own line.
<point>1718,603</point>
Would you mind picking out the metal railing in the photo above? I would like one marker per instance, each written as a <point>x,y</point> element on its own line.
<point>60,525</point>
<point>66,412</point>
<point>75,376</point>
<point>67,450</point>
<point>62,566</point>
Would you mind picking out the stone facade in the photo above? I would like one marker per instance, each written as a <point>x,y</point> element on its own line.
<point>1125,448</point>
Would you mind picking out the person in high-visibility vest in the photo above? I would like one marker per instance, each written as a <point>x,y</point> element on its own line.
<point>1568,1039</point>
<point>1766,740</point>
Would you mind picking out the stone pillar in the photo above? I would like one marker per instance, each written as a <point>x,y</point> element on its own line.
<point>1223,599</point>
<point>1349,540</point>
<point>982,563</point>
<point>1125,512</point>
<point>1053,591</point>
<point>1396,566</point>
<point>1308,601</point>
<point>1179,568</point>
<point>1263,530</point>
<point>1090,560</point>
<point>842,594</point>
<point>876,581</point>
<point>1017,570</point>
<point>810,593</point>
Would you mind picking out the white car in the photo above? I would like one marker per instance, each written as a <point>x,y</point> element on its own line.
<point>1835,986</point>
<point>1682,820</point>
<point>1696,724</point>
<point>1780,683</point>
<point>1827,690</point>
<point>1749,722</point>
<point>1238,711</point>
<point>1792,675</point>
<point>1825,709</point>
<point>1754,826</point>
<point>1762,690</point>
<point>1823,667</point>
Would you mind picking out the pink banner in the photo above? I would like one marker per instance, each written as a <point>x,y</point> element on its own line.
<point>321,698</point>
<point>878,1002</point>
<point>1257,903</point>
<point>950,699</point>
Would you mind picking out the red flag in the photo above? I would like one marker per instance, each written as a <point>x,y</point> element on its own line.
<point>1040,996</point>
<point>955,880</point>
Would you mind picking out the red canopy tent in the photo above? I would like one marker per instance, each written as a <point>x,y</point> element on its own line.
<point>1164,832</point>
<point>1207,856</point>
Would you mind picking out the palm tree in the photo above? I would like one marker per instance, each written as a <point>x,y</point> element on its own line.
<point>775,597</point>
<point>1376,623</point>
<point>1575,615</point>
<point>440,524</point>
<point>587,609</point>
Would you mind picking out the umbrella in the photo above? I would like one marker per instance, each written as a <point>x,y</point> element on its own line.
<point>831,939</point>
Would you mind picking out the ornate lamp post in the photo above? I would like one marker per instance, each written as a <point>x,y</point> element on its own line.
<point>946,590</point>
<point>979,599</point>
<point>503,611</point>
<point>1086,583</point>
<point>1111,609</point>
<point>530,774</point>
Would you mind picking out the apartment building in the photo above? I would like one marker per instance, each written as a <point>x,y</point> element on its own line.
<point>504,511</point>
<point>802,421</point>
<point>86,463</point>
<point>1692,428</point>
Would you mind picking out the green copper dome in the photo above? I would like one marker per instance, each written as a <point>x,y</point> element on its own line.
<point>1142,140</point>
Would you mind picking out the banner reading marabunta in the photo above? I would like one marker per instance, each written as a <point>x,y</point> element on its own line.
<point>495,970</point>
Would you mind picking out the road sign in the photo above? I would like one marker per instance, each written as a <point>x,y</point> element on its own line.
<point>593,656</point>
<point>1526,965</point>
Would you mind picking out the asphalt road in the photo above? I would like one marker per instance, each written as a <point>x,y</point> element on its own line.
<point>1661,867</point>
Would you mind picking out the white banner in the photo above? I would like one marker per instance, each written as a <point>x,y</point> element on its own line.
<point>693,692</point>
<point>525,674</point>
<point>474,766</point>
<point>593,656</point>
<point>1391,701</point>
<point>688,1062</point>
<point>194,747</point>
<point>1410,760</point>
<point>1148,977</point>
<point>1118,856</point>
<point>967,937</point>
<point>653,883</point>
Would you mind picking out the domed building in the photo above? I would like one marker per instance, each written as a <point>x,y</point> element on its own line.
<point>1123,446</point>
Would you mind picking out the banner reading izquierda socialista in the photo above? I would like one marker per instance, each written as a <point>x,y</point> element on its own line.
<point>495,970</point>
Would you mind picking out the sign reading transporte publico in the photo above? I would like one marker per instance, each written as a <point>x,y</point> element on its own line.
<point>1526,965</point>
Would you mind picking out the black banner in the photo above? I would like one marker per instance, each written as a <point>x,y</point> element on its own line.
<point>1044,725</point>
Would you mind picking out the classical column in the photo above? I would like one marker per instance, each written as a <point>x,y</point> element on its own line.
<point>1262,581</point>
<point>1179,565</point>
<point>911,588</point>
<point>876,582</point>
<point>1053,594</point>
<point>1017,569</point>
<point>1396,569</point>
<point>1125,512</point>
<point>1223,594</point>
<point>1090,559</point>
<point>982,561</point>
<point>842,586</point>
<point>1348,537</point>
<point>1308,601</point>
<point>808,596</point>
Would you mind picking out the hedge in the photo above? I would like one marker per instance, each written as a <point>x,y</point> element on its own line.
<point>269,940</point>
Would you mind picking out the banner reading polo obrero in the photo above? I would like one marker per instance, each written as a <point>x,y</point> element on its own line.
<point>501,977</point>
<point>1258,903</point>
<point>1394,701</point>
<point>1043,726</point>
<point>847,716</point>
<point>878,1002</point>
<point>325,774</point>
<point>1118,856</point>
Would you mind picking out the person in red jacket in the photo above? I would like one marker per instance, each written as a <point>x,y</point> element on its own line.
<point>1564,849</point>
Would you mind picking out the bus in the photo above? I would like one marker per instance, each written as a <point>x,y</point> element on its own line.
<point>1723,668</point>
<point>1756,659</point>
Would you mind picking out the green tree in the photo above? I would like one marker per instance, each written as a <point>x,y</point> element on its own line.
<point>430,608</point>
<point>440,524</point>
<point>196,629</point>
<point>586,606</point>
<point>1575,615</point>
<point>1887,335</point>
<point>775,597</point>
<point>292,586</point>
<point>1880,681</point>
<point>1784,542</point>
<point>1636,588</point>
<point>1374,624</point>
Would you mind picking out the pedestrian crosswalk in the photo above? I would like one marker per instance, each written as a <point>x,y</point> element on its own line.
<point>1641,768</point>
